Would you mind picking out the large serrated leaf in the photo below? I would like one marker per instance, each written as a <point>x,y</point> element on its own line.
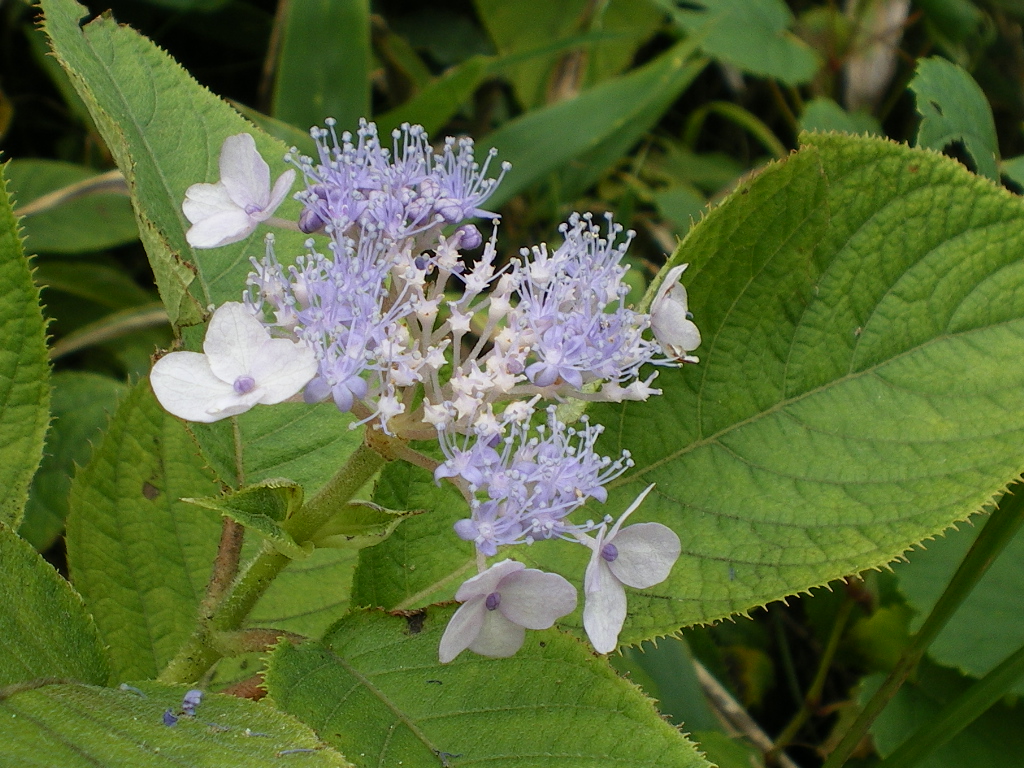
<point>140,99</point>
<point>45,628</point>
<point>392,702</point>
<point>138,555</point>
<point>860,385</point>
<point>75,726</point>
<point>24,370</point>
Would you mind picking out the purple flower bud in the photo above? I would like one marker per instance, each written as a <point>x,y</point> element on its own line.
<point>244,385</point>
<point>170,718</point>
<point>609,552</point>
<point>493,601</point>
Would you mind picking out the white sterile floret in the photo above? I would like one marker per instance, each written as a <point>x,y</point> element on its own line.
<point>670,320</point>
<point>242,366</point>
<point>499,605</point>
<point>230,209</point>
<point>638,556</point>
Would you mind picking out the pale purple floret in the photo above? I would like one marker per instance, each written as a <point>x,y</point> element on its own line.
<point>572,310</point>
<point>526,488</point>
<point>397,192</point>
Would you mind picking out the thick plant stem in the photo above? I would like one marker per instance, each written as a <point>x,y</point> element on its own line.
<point>1001,527</point>
<point>199,652</point>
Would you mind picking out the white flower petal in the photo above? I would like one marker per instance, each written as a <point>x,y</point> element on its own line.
<point>282,368</point>
<point>204,200</point>
<point>280,191</point>
<point>675,332</point>
<point>187,388</point>
<point>534,599</point>
<point>484,583</point>
<point>605,607</point>
<point>462,629</point>
<point>244,172</point>
<point>222,228</point>
<point>234,341</point>
<point>647,552</point>
<point>499,637</point>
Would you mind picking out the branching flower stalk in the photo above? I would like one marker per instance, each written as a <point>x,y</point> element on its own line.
<point>389,318</point>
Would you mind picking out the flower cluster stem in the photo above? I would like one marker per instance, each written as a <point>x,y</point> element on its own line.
<point>199,652</point>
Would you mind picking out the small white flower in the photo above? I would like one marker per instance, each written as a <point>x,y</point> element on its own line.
<point>670,320</point>
<point>638,556</point>
<point>242,366</point>
<point>229,210</point>
<point>500,604</point>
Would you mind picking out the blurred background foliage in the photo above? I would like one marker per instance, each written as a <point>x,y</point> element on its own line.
<point>650,109</point>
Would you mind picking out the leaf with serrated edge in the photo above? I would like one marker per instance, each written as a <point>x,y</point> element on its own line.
<point>46,630</point>
<point>140,98</point>
<point>361,524</point>
<point>860,385</point>
<point>24,370</point>
<point>139,556</point>
<point>77,726</point>
<point>552,704</point>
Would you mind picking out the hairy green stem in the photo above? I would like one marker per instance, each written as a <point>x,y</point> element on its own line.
<point>1004,522</point>
<point>199,652</point>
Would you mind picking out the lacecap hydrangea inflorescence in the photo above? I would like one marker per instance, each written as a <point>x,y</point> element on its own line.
<point>385,316</point>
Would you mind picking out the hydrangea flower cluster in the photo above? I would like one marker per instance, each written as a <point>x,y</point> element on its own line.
<point>386,316</point>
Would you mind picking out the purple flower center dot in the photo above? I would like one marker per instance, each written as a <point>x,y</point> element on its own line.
<point>609,552</point>
<point>493,601</point>
<point>252,208</point>
<point>244,385</point>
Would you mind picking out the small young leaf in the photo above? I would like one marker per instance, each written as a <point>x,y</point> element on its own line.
<point>46,630</point>
<point>77,726</point>
<point>423,561</point>
<point>361,524</point>
<point>553,703</point>
<point>24,369</point>
<point>139,556</point>
<point>954,109</point>
<point>262,508</point>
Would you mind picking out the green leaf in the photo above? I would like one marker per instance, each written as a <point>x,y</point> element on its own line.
<point>518,27</point>
<point>139,556</point>
<point>46,630</point>
<point>76,726</point>
<point>324,65</point>
<point>81,214</point>
<point>1014,169</point>
<point>994,739</point>
<point>422,561</point>
<point>954,109</point>
<point>859,390</point>
<point>537,143</point>
<point>361,524</point>
<point>82,404</point>
<point>105,285</point>
<point>435,105</point>
<point>749,34</point>
<point>140,98</point>
<point>24,369</point>
<point>825,115</point>
<point>553,703</point>
<point>988,626</point>
<point>304,443</point>
<point>262,508</point>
